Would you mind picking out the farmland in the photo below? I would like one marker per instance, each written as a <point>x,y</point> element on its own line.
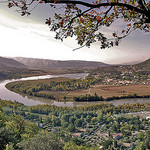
<point>65,89</point>
<point>114,90</point>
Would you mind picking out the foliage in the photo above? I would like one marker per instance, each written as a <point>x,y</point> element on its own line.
<point>73,146</point>
<point>84,19</point>
<point>13,129</point>
<point>15,73</point>
<point>107,143</point>
<point>38,88</point>
<point>88,97</point>
<point>42,141</point>
<point>88,120</point>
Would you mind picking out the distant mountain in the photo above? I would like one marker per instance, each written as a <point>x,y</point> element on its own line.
<point>9,63</point>
<point>131,63</point>
<point>145,64</point>
<point>47,63</point>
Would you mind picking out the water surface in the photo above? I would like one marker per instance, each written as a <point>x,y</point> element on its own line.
<point>6,94</point>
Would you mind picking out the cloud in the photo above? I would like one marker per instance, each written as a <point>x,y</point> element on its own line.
<point>34,40</point>
<point>26,38</point>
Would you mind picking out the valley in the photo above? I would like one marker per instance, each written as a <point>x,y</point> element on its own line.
<point>111,82</point>
<point>89,109</point>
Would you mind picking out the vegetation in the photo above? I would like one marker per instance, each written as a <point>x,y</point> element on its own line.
<point>75,17</point>
<point>38,88</point>
<point>14,73</point>
<point>103,84</point>
<point>145,64</point>
<point>88,97</point>
<point>42,141</point>
<point>74,65</point>
<point>85,128</point>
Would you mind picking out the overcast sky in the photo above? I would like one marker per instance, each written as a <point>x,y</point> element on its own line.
<point>30,37</point>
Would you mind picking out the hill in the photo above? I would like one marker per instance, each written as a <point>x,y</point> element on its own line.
<point>144,65</point>
<point>47,63</point>
<point>10,63</point>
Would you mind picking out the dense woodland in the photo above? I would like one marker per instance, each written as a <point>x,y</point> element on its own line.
<point>24,127</point>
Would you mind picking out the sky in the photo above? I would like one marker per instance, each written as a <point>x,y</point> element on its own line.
<point>30,37</point>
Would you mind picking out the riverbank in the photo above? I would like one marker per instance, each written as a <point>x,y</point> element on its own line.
<point>61,88</point>
<point>67,89</point>
<point>57,88</point>
<point>32,100</point>
<point>90,98</point>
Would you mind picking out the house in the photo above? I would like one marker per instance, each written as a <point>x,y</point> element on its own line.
<point>77,134</point>
<point>142,131</point>
<point>117,136</point>
<point>128,145</point>
<point>135,133</point>
<point>53,131</point>
<point>82,130</point>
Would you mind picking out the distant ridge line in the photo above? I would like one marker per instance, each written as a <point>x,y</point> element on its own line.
<point>9,63</point>
<point>47,63</point>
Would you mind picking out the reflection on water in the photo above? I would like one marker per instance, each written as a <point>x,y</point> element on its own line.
<point>5,94</point>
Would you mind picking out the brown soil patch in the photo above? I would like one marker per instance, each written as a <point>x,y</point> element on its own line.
<point>112,90</point>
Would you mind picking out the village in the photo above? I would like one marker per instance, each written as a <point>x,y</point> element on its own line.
<point>125,138</point>
<point>123,130</point>
<point>123,75</point>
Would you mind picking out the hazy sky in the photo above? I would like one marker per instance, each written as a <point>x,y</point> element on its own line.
<point>30,37</point>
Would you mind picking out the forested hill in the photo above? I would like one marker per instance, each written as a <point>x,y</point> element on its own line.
<point>144,65</point>
<point>8,63</point>
<point>46,63</point>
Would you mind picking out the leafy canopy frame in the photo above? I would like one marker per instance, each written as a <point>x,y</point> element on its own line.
<point>84,19</point>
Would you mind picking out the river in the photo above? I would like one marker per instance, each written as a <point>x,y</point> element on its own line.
<point>6,94</point>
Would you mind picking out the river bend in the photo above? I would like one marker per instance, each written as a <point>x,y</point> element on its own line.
<point>6,94</point>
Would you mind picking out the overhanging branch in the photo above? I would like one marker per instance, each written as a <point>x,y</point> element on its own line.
<point>130,7</point>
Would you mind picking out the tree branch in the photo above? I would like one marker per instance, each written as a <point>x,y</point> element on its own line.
<point>130,7</point>
<point>79,15</point>
<point>140,2</point>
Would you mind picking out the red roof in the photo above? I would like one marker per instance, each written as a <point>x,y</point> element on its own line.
<point>76,134</point>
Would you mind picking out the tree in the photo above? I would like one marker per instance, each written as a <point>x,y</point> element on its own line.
<point>72,146</point>
<point>71,128</point>
<point>78,123</point>
<point>84,19</point>
<point>107,143</point>
<point>115,144</point>
<point>65,124</point>
<point>139,146</point>
<point>42,141</point>
<point>94,120</point>
<point>141,136</point>
<point>72,120</point>
<point>88,118</point>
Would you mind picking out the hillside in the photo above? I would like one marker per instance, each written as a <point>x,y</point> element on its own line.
<point>46,63</point>
<point>10,63</point>
<point>144,65</point>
